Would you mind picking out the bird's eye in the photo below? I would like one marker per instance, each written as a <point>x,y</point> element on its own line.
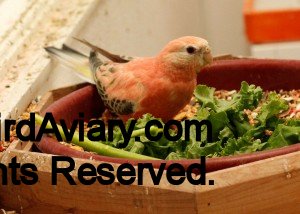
<point>191,49</point>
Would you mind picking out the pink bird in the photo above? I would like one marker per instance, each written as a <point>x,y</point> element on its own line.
<point>130,87</point>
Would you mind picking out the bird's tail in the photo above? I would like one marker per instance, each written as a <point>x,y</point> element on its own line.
<point>73,59</point>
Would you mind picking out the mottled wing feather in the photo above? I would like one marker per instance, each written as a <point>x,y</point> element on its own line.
<point>119,90</point>
<point>122,107</point>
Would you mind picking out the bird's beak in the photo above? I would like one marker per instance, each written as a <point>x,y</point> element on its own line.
<point>207,57</point>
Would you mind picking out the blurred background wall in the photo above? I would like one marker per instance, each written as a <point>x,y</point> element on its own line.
<point>143,27</point>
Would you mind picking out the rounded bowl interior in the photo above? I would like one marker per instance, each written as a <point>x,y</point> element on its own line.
<point>223,74</point>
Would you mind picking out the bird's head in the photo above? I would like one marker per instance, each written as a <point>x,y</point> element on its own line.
<point>187,52</point>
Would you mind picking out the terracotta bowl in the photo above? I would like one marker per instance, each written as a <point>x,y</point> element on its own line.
<point>223,74</point>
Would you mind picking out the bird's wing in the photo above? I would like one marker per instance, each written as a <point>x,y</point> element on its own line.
<point>120,90</point>
<point>111,56</point>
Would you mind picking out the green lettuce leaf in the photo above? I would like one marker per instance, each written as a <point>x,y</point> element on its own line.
<point>272,107</point>
<point>205,95</point>
<point>284,136</point>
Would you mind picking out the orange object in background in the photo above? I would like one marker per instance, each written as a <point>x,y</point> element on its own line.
<point>277,25</point>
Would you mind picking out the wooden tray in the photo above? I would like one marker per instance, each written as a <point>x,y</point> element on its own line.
<point>268,185</point>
